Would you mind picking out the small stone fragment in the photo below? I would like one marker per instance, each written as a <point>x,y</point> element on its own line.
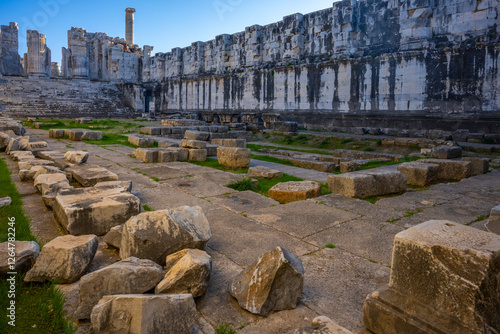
<point>77,157</point>
<point>26,253</point>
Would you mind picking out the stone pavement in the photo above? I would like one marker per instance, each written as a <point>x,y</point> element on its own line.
<point>245,225</point>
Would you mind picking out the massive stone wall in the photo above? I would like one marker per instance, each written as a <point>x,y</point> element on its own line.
<point>386,63</point>
<point>419,63</point>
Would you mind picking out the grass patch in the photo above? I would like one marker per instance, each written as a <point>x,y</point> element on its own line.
<point>330,245</point>
<point>243,185</point>
<point>481,218</point>
<point>111,139</point>
<point>214,163</point>
<point>411,213</point>
<point>39,306</point>
<point>394,220</point>
<point>372,200</point>
<point>225,329</point>
<point>325,189</point>
<point>147,208</point>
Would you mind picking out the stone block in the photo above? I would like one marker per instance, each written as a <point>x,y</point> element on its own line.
<point>233,156</point>
<point>196,135</point>
<point>479,165</point>
<point>182,153</point>
<point>129,276</point>
<point>13,145</point>
<point>127,185</point>
<point>493,224</point>
<point>197,154</point>
<point>151,131</point>
<point>450,170</point>
<point>460,135</point>
<point>28,164</point>
<point>166,144</point>
<point>261,172</point>
<point>94,210</point>
<point>147,155</point>
<point>288,192</point>
<point>21,155</point>
<point>77,157</point>
<point>167,155</point>
<point>369,183</point>
<point>37,146</point>
<point>444,279</point>
<point>188,271</point>
<point>74,134</point>
<point>157,234</point>
<point>285,126</point>
<point>145,314</point>
<point>165,131</point>
<point>114,237</point>
<point>446,152</point>
<point>64,260</point>
<point>141,141</point>
<point>212,150</point>
<point>4,141</point>
<point>419,174</point>
<point>56,133</point>
<point>90,175</point>
<point>92,135</point>
<point>26,253</point>
<point>45,182</point>
<point>272,283</point>
<point>196,144</point>
<point>348,166</point>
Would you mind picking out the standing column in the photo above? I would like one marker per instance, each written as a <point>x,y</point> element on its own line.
<point>129,25</point>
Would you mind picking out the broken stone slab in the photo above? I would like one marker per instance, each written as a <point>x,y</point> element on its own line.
<point>165,155</point>
<point>450,170</point>
<point>25,254</point>
<point>28,164</point>
<point>37,146</point>
<point>51,155</point>
<point>77,157</point>
<point>129,276</point>
<point>264,173</point>
<point>39,170</point>
<point>444,279</point>
<point>21,155</point>
<point>182,153</point>
<point>166,144</point>
<point>369,183</point>
<point>155,235</point>
<point>5,201</point>
<point>285,126</point>
<point>94,210</point>
<point>90,175</point>
<point>233,156</point>
<point>197,144</point>
<point>56,133</point>
<point>121,184</point>
<point>272,283</point>
<point>141,141</point>
<point>145,314</point>
<point>147,155</point>
<point>64,260</point>
<point>419,174</point>
<point>46,182</point>
<point>188,271</point>
<point>156,131</point>
<point>446,152</point>
<point>348,166</point>
<point>114,237</point>
<point>196,135</point>
<point>241,143</point>
<point>493,224</point>
<point>479,165</point>
<point>29,174</point>
<point>92,135</point>
<point>4,141</point>
<point>83,134</point>
<point>197,154</point>
<point>288,192</point>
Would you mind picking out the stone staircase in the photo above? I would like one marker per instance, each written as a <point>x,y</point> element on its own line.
<point>61,98</point>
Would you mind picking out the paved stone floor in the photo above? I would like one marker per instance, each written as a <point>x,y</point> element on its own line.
<point>245,225</point>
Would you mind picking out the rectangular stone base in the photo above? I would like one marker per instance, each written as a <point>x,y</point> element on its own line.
<point>383,314</point>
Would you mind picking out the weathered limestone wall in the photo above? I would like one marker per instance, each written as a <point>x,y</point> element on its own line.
<point>10,62</point>
<point>417,63</point>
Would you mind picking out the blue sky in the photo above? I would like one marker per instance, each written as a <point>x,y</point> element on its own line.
<point>164,24</point>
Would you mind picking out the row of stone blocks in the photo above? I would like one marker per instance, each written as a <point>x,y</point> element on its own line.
<point>76,134</point>
<point>196,133</point>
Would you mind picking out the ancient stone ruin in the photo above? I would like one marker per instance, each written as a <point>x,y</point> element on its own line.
<point>333,172</point>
